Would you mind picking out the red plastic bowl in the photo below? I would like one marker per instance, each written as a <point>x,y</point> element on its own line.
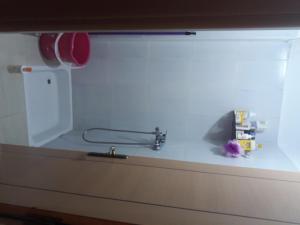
<point>46,43</point>
<point>75,48</point>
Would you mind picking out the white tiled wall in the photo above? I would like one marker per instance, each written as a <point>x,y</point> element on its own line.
<point>15,49</point>
<point>186,85</point>
<point>290,120</point>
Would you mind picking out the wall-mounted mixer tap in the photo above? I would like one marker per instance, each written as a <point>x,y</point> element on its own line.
<point>111,154</point>
<point>160,138</point>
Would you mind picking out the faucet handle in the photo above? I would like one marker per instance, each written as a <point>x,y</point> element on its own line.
<point>112,151</point>
<point>157,131</point>
<point>160,138</point>
<point>164,137</point>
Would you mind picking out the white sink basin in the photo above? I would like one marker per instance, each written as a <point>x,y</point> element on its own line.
<point>48,97</point>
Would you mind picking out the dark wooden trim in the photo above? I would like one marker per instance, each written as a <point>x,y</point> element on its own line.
<point>145,14</point>
<point>61,217</point>
<point>144,23</point>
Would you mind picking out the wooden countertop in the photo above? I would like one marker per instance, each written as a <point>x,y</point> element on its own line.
<point>147,191</point>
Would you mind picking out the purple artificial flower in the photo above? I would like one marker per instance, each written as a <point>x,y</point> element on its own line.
<point>233,149</point>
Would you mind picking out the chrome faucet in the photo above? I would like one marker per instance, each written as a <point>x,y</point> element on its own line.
<point>160,137</point>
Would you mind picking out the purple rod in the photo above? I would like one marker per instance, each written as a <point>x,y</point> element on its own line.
<point>144,33</point>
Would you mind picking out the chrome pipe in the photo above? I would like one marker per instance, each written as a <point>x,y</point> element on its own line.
<point>160,138</point>
<point>121,131</point>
